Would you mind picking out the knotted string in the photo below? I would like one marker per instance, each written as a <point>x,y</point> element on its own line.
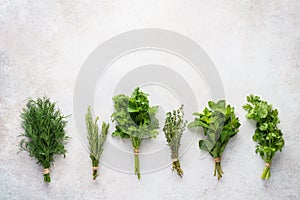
<point>135,151</point>
<point>46,171</point>
<point>217,160</point>
<point>268,165</point>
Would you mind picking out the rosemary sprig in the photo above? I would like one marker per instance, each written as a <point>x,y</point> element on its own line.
<point>173,129</point>
<point>44,132</point>
<point>95,139</point>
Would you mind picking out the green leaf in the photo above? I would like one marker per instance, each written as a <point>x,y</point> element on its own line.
<point>132,110</point>
<point>220,106</point>
<point>198,123</point>
<point>198,114</point>
<point>205,145</point>
<point>247,107</point>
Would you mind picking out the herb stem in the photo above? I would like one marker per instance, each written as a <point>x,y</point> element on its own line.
<point>176,167</point>
<point>215,170</point>
<point>95,163</point>
<point>136,142</point>
<point>47,178</point>
<point>266,174</point>
<point>218,169</point>
<point>137,166</point>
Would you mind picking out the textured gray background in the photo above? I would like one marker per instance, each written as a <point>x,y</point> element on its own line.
<point>255,46</point>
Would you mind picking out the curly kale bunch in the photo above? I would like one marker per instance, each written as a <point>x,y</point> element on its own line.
<point>44,132</point>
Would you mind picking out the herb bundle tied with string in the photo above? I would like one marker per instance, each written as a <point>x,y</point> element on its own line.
<point>44,133</point>
<point>95,140</point>
<point>267,135</point>
<point>135,119</point>
<point>173,129</point>
<point>219,124</point>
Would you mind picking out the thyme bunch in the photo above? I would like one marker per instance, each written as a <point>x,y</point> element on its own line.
<point>173,129</point>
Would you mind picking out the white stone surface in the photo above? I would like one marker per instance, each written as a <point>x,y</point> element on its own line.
<point>255,46</point>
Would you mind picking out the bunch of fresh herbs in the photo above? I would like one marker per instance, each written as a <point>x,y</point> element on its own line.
<point>173,129</point>
<point>219,124</point>
<point>267,135</point>
<point>135,119</point>
<point>44,132</point>
<point>95,139</point>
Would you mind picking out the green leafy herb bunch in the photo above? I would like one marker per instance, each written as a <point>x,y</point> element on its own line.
<point>95,139</point>
<point>44,132</point>
<point>135,119</point>
<point>267,135</point>
<point>219,124</point>
<point>173,129</point>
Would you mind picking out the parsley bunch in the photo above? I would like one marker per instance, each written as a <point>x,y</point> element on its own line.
<point>267,135</point>
<point>135,119</point>
<point>219,124</point>
<point>95,139</point>
<point>44,132</point>
<point>173,129</point>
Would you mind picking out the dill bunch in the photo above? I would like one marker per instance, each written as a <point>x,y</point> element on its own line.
<point>44,132</point>
<point>95,139</point>
<point>173,129</point>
